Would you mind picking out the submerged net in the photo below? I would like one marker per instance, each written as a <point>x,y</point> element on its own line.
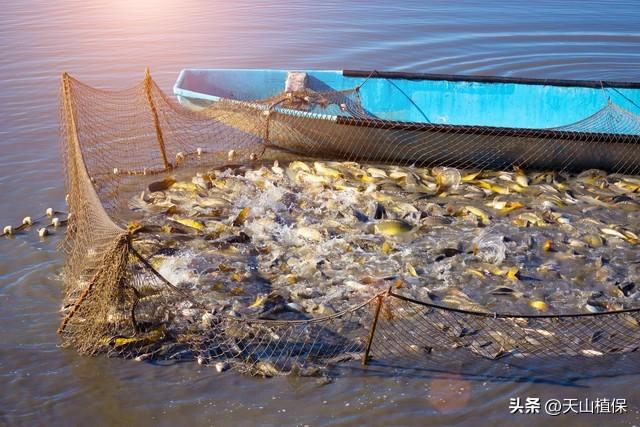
<point>115,143</point>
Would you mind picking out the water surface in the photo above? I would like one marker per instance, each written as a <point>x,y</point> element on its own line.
<point>107,43</point>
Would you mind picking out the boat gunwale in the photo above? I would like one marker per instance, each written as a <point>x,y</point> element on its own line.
<point>598,84</point>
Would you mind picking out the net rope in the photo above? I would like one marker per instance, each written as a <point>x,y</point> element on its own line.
<point>114,143</point>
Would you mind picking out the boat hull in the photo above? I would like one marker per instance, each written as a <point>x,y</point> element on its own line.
<point>516,122</point>
<point>432,145</point>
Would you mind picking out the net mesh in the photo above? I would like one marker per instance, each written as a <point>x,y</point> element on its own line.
<point>114,143</point>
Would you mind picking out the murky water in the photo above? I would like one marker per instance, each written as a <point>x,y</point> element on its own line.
<point>108,44</point>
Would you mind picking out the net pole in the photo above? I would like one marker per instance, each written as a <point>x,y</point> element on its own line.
<point>365,357</point>
<point>68,107</point>
<point>76,156</point>
<point>154,115</point>
<point>78,303</point>
<point>76,153</point>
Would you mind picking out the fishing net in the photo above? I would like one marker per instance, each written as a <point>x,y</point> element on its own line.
<point>114,143</point>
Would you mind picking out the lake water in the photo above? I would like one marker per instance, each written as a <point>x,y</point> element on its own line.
<point>108,44</point>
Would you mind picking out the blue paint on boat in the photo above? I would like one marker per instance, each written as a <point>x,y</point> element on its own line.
<point>430,100</point>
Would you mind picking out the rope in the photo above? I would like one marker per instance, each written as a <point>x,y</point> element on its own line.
<point>29,221</point>
<point>155,272</point>
<point>371,74</point>
<point>509,315</point>
<point>607,98</point>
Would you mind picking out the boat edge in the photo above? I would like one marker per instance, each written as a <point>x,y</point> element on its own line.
<point>490,79</point>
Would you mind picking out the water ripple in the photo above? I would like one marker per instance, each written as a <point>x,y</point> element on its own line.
<point>108,44</point>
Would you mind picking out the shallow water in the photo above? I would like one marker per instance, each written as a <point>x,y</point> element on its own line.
<point>108,44</point>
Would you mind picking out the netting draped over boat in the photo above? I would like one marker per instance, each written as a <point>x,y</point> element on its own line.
<point>114,143</point>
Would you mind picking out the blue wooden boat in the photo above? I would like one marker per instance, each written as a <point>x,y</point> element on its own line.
<point>474,121</point>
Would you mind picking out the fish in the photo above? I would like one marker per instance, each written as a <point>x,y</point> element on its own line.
<point>475,272</point>
<point>134,226</point>
<point>447,177</point>
<point>366,227</point>
<point>593,201</point>
<point>594,306</point>
<point>545,333</point>
<point>512,273</point>
<point>387,247</point>
<point>593,240</point>
<point>497,203</point>
<point>492,187</point>
<point>360,216</point>
<point>392,227</point>
<point>189,222</point>
<point>291,279</point>
<point>459,299</point>
<point>503,290</point>
<point>344,186</point>
<point>627,187</point>
<point>629,320</point>
<point>479,213</point>
<point>533,341</point>
<point>470,176</point>
<point>309,233</point>
<point>503,339</point>
<point>277,169</point>
<point>212,202</point>
<point>163,185</point>
<point>241,217</point>
<point>539,305</point>
<point>529,218</point>
<point>311,179</point>
<point>552,217</point>
<point>260,299</point>
<point>299,166</point>
<point>551,201</point>
<point>380,212</point>
<point>188,186</point>
<point>398,175</point>
<point>150,337</point>
<point>543,177</point>
<point>629,237</point>
<point>376,173</point>
<point>521,178</point>
<point>591,352</point>
<point>509,207</point>
<point>324,170</point>
<point>411,270</point>
<point>266,369</point>
<point>366,179</point>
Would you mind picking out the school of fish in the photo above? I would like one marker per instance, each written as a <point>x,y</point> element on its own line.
<point>312,238</point>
